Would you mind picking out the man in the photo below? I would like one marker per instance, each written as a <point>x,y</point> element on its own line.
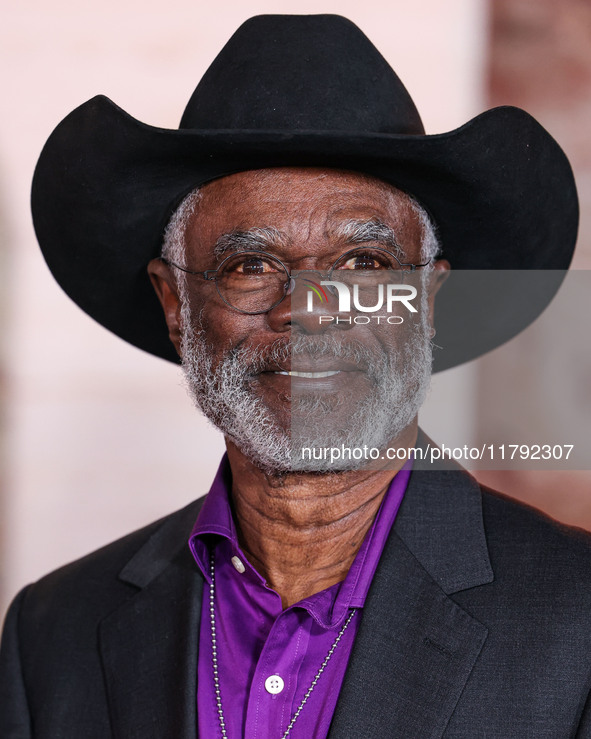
<point>361,598</point>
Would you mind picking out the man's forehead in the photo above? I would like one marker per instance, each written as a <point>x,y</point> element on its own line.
<point>298,199</point>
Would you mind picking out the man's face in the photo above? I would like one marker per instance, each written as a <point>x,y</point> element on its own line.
<point>278,380</point>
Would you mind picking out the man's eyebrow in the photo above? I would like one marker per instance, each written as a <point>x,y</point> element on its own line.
<point>266,238</point>
<point>356,231</point>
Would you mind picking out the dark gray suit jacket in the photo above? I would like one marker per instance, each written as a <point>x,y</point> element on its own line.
<point>477,624</point>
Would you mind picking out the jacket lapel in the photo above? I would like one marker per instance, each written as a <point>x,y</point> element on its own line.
<point>416,647</point>
<point>149,644</point>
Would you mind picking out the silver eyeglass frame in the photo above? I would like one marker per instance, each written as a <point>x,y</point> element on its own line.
<point>211,274</point>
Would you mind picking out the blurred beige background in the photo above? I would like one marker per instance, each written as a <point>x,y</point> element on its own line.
<point>99,438</point>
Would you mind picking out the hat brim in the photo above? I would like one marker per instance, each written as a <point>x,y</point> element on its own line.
<point>499,188</point>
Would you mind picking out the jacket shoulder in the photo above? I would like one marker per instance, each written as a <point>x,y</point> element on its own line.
<point>516,516</point>
<point>92,584</point>
<point>51,662</point>
<point>522,541</point>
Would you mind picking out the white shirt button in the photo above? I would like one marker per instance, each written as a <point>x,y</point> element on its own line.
<point>274,684</point>
<point>238,565</point>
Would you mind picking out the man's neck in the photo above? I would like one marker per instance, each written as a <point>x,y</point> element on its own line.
<point>302,531</point>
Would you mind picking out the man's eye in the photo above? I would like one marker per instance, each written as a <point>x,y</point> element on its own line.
<point>365,262</point>
<point>253,266</point>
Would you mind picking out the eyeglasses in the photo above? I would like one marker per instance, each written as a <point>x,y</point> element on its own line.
<point>254,282</point>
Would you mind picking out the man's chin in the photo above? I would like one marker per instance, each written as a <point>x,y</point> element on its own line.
<point>307,447</point>
<point>296,434</point>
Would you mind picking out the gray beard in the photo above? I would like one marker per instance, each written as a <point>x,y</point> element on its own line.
<point>224,393</point>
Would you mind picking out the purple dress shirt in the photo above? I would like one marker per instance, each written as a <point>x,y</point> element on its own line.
<point>267,656</point>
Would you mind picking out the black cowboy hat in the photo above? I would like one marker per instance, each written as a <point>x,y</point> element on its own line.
<point>307,91</point>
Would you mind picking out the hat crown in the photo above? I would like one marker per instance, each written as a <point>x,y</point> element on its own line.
<point>304,72</point>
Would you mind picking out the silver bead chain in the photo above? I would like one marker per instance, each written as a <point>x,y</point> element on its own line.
<point>214,657</point>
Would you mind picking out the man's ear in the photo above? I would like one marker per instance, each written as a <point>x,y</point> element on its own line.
<point>438,275</point>
<point>166,289</point>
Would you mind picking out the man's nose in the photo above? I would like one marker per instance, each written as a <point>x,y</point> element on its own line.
<point>309,306</point>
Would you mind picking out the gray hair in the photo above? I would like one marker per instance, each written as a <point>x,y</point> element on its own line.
<point>175,233</point>
<point>430,244</point>
<point>174,243</point>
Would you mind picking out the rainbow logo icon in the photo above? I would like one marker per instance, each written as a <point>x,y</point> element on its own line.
<point>317,289</point>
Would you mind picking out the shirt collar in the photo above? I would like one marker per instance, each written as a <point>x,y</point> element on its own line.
<point>215,518</point>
